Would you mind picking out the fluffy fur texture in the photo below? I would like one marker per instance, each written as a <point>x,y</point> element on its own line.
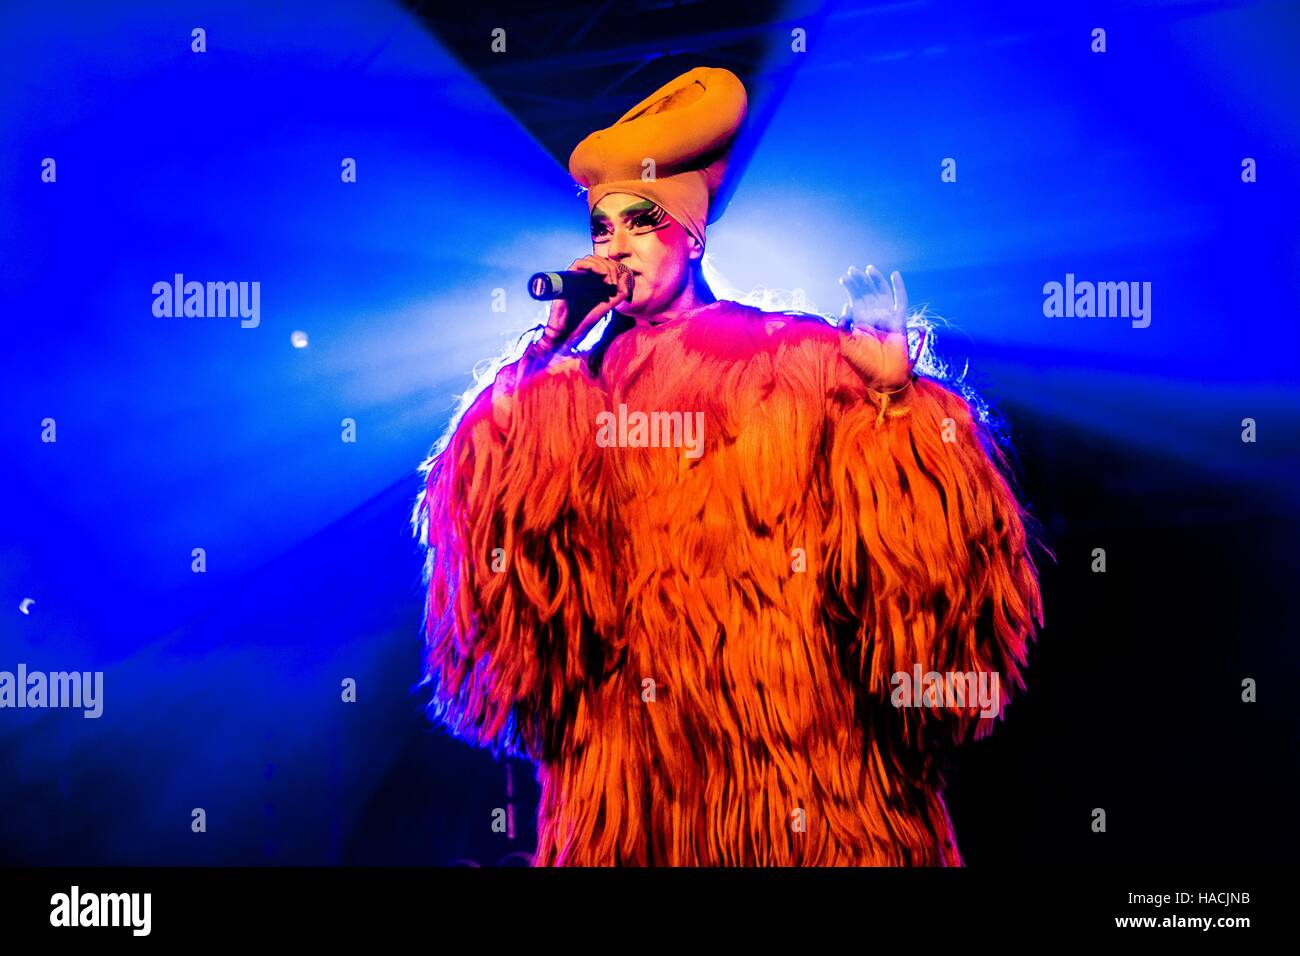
<point>772,684</point>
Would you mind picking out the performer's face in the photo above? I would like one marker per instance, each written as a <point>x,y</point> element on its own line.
<point>639,234</point>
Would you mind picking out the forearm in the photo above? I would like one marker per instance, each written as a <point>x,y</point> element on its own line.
<point>512,606</point>
<point>932,550</point>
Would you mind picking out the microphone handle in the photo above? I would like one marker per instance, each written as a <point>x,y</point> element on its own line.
<point>569,284</point>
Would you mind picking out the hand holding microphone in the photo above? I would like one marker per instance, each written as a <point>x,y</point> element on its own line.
<point>592,287</point>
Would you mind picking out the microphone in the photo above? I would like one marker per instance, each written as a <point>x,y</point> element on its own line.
<point>570,284</point>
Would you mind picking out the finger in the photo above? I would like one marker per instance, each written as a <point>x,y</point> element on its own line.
<point>623,279</point>
<point>854,282</point>
<point>613,270</point>
<point>878,285</point>
<point>619,289</point>
<point>868,291</point>
<point>846,317</point>
<point>616,276</point>
<point>622,283</point>
<point>622,294</point>
<point>598,265</point>
<point>900,292</point>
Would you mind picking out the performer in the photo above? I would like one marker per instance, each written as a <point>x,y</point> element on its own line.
<point>703,652</point>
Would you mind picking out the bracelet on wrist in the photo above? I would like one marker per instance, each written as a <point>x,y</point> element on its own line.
<point>911,377</point>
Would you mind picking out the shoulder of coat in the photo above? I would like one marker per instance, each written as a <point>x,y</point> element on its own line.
<point>801,324</point>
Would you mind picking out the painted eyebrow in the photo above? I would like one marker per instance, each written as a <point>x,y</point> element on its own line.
<point>643,206</point>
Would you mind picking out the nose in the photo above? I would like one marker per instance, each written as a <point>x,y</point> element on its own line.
<point>619,247</point>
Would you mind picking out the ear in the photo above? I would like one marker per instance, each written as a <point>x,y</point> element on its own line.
<point>697,249</point>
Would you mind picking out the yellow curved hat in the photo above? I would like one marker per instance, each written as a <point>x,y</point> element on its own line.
<point>687,127</point>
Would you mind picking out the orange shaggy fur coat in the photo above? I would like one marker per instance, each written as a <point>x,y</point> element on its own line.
<point>824,541</point>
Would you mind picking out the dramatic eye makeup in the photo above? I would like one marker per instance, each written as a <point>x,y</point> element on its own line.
<point>642,217</point>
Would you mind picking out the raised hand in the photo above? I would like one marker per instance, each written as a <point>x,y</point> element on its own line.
<point>566,326</point>
<point>875,323</point>
<point>569,323</point>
